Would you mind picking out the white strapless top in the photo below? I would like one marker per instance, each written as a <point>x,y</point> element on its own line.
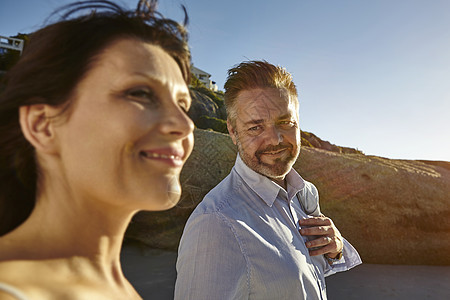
<point>12,291</point>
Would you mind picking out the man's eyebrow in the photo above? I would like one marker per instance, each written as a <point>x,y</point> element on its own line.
<point>285,116</point>
<point>260,121</point>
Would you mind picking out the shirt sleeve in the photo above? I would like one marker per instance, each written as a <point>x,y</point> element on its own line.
<point>205,268</point>
<point>350,259</point>
<point>350,256</point>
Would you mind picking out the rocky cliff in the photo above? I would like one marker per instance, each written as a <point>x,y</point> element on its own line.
<point>392,211</point>
<point>208,112</point>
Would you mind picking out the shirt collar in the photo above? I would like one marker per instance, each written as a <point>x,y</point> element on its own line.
<point>266,189</point>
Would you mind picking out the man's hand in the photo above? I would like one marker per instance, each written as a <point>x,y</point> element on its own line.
<point>327,238</point>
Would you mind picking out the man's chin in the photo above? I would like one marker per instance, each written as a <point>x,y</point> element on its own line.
<point>274,171</point>
<point>271,168</point>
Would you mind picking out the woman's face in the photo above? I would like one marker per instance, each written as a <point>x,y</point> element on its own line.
<point>127,135</point>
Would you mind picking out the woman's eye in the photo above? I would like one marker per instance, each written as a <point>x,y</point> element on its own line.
<point>141,94</point>
<point>184,104</point>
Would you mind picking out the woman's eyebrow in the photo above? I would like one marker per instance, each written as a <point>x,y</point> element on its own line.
<point>148,76</point>
<point>183,94</point>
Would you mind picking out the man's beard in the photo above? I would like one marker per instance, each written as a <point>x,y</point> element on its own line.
<point>279,166</point>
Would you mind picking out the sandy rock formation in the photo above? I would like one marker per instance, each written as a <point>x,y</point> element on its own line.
<point>311,140</point>
<point>392,211</point>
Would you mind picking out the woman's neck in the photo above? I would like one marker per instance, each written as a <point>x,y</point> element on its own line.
<point>70,229</point>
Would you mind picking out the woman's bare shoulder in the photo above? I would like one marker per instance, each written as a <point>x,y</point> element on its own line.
<point>24,274</point>
<point>12,270</point>
<point>55,279</point>
<point>9,292</point>
<point>12,283</point>
<point>7,296</point>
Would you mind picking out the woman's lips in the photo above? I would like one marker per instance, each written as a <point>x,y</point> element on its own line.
<point>173,158</point>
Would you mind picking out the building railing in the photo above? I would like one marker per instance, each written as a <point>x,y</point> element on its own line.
<point>11,43</point>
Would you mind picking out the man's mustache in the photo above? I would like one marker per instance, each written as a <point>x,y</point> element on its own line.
<point>271,148</point>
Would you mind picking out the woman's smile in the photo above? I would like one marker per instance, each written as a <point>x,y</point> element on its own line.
<point>170,156</point>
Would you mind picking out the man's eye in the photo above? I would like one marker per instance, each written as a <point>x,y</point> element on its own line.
<point>287,124</point>
<point>254,128</point>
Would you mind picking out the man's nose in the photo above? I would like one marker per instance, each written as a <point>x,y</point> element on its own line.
<point>273,135</point>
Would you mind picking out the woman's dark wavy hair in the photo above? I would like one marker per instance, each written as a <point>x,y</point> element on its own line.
<point>53,63</point>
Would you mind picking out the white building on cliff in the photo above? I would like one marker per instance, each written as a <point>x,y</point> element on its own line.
<point>11,44</point>
<point>204,78</point>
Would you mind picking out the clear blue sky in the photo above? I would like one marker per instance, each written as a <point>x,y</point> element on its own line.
<point>372,75</point>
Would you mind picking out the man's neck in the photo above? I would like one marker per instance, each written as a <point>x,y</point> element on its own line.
<point>280,181</point>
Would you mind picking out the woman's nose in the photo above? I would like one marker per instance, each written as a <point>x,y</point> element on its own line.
<point>176,122</point>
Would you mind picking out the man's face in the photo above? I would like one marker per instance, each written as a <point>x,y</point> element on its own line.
<point>266,131</point>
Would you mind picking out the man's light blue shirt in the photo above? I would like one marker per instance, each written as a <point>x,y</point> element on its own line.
<point>243,242</point>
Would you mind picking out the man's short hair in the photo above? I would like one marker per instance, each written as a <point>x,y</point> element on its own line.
<point>255,74</point>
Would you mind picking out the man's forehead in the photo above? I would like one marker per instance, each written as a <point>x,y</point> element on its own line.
<point>257,105</point>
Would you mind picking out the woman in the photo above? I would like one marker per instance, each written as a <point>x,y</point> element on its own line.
<point>93,129</point>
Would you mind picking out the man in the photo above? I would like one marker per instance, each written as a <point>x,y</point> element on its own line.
<point>259,233</point>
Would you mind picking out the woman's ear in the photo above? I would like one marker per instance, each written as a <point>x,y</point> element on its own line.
<point>37,126</point>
